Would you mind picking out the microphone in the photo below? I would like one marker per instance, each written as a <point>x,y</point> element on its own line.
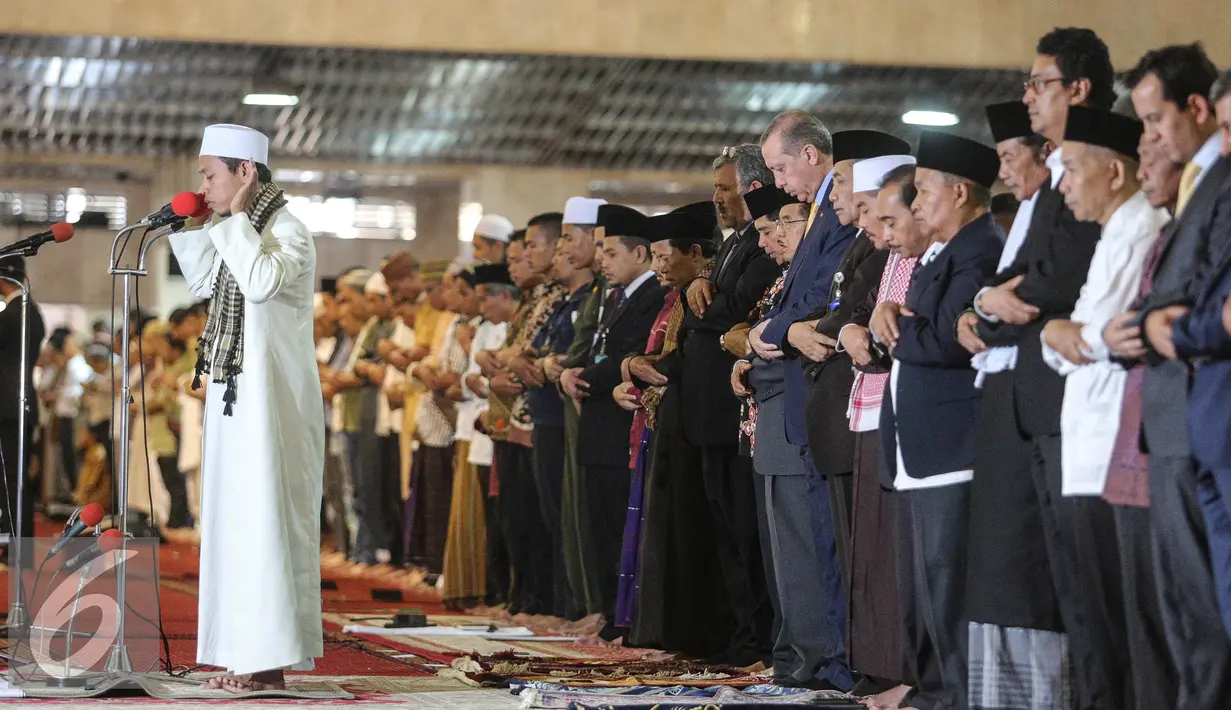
<point>181,207</point>
<point>90,516</point>
<point>108,541</point>
<point>59,232</point>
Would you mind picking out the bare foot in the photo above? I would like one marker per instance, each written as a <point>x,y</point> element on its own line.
<point>218,682</point>
<point>889,700</point>
<point>265,680</point>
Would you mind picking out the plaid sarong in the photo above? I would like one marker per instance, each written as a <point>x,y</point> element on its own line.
<point>868,389</point>
<point>220,349</point>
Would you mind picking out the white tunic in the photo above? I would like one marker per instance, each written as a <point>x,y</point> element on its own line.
<point>1093,393</point>
<point>260,598</point>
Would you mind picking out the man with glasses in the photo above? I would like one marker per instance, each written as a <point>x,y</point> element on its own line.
<point>1072,67</point>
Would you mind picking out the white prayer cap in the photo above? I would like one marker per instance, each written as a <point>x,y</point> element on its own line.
<point>495,227</point>
<point>355,279</point>
<point>225,140</point>
<point>867,175</point>
<point>582,210</point>
<point>376,285</point>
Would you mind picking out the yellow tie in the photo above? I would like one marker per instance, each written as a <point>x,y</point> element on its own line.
<point>816,209</point>
<point>1188,181</point>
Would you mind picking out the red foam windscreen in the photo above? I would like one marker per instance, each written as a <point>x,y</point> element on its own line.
<point>189,204</point>
<point>92,514</point>
<point>62,231</point>
<point>110,540</point>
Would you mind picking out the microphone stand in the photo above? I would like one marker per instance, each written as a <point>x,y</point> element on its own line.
<point>18,619</point>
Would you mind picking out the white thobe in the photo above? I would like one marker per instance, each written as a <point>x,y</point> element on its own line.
<point>488,336</point>
<point>262,468</point>
<point>1093,393</point>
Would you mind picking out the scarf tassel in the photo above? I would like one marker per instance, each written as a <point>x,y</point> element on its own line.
<point>229,396</point>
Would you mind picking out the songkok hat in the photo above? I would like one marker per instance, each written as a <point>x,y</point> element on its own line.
<point>376,285</point>
<point>495,227</point>
<point>1008,120</point>
<point>225,140</point>
<point>434,269</point>
<point>692,223</point>
<point>1104,128</point>
<point>487,274</point>
<point>355,279</point>
<point>867,175</point>
<point>621,221</point>
<point>958,156</point>
<point>767,199</point>
<point>582,210</point>
<point>863,144</point>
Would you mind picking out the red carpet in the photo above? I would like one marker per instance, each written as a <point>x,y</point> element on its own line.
<point>345,588</point>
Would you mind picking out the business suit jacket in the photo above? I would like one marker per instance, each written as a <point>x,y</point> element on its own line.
<point>1054,260</point>
<point>604,426</point>
<point>773,455</point>
<point>806,289</point>
<point>1189,253</point>
<point>586,324</point>
<point>740,275</point>
<point>10,361</point>
<point>936,400</point>
<point>853,294</point>
<point>1202,341</point>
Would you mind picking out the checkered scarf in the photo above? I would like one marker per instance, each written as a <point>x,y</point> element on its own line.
<point>221,346</point>
<point>868,390</point>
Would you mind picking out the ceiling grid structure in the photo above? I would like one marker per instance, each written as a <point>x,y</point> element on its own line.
<point>136,97</point>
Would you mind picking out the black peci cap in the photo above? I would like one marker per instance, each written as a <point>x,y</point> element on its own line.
<point>1104,128</point>
<point>958,156</point>
<point>864,144</point>
<point>1008,120</point>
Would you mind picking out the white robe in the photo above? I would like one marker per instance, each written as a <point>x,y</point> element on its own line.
<point>262,468</point>
<point>1093,393</point>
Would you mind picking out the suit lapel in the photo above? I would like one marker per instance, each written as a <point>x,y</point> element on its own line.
<point>730,252</point>
<point>801,253</point>
<point>1197,204</point>
<point>631,301</point>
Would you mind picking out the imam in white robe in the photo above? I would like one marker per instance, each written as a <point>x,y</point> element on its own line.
<point>1094,392</point>
<point>262,468</point>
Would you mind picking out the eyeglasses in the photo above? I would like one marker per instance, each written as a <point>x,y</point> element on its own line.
<point>782,223</point>
<point>1038,83</point>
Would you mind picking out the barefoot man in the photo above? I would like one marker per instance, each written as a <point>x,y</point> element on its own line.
<point>264,439</point>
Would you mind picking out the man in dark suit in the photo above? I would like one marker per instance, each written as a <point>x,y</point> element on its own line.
<point>931,405</point>
<point>738,277</point>
<point>799,151</point>
<point>10,394</point>
<point>831,442</point>
<point>604,426</point>
<point>1170,91</point>
<point>1072,67</point>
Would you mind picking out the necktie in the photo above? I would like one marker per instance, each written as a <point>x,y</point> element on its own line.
<point>816,209</point>
<point>1188,182</point>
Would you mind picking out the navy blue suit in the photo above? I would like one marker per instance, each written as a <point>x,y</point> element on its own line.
<point>806,289</point>
<point>1200,338</point>
<point>938,404</point>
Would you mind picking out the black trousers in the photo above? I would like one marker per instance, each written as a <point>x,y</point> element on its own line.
<point>176,484</point>
<point>607,497</point>
<point>12,469</point>
<point>938,520</point>
<point>67,431</point>
<point>497,562</point>
<point>365,461</point>
<point>1080,536</point>
<point>529,558</point>
<point>731,490</point>
<point>841,501</point>
<point>783,658</point>
<point>1153,677</point>
<point>391,493</point>
<point>549,479</point>
<point>1191,620</point>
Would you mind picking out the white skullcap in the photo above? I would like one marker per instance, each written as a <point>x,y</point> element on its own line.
<point>868,174</point>
<point>356,279</point>
<point>493,226</point>
<point>225,140</point>
<point>582,210</point>
<point>376,285</point>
